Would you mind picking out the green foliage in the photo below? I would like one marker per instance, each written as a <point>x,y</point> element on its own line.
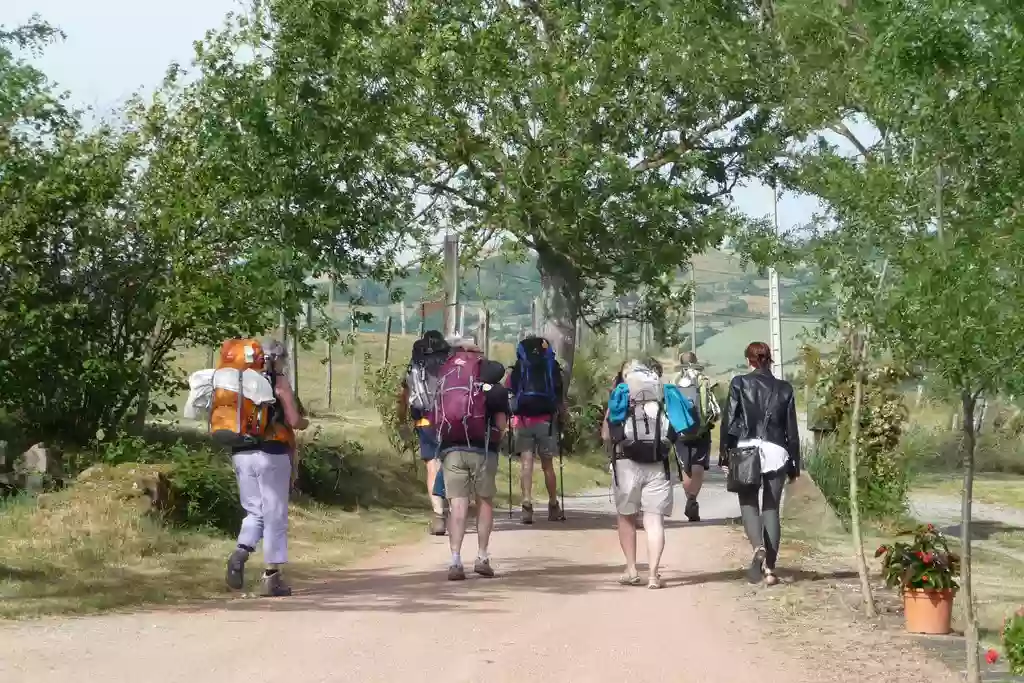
<point>882,474</point>
<point>929,451</point>
<point>204,492</point>
<point>592,374</point>
<point>926,563</point>
<point>1013,642</point>
<point>883,498</point>
<point>384,385</point>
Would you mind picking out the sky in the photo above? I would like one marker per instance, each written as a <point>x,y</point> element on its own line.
<point>115,48</point>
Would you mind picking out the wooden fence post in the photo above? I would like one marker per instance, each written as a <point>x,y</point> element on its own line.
<point>423,319</point>
<point>355,353</point>
<point>402,315</point>
<point>387,341</point>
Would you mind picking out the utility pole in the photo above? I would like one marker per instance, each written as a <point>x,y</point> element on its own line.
<point>462,320</point>
<point>451,284</point>
<point>693,309</point>
<point>423,320</point>
<point>775,309</point>
<point>402,315</point>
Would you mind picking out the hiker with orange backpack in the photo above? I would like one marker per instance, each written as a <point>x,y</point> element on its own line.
<point>253,412</point>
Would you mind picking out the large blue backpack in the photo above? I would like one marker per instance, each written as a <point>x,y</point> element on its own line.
<point>534,378</point>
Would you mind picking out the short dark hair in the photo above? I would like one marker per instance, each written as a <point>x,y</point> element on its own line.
<point>759,355</point>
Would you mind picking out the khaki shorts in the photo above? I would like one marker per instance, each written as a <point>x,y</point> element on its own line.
<point>540,439</point>
<point>467,473</point>
<point>642,487</point>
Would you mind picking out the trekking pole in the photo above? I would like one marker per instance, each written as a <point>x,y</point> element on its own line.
<point>561,468</point>
<point>510,473</point>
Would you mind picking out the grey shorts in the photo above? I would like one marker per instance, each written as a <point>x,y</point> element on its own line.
<point>642,487</point>
<point>540,439</point>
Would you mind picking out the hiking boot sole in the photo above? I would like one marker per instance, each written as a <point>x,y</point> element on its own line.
<point>755,571</point>
<point>235,577</point>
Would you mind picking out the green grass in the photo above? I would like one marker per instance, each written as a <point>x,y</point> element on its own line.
<point>994,489</point>
<point>92,548</point>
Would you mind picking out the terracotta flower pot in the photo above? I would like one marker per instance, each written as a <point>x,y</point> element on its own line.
<point>928,611</point>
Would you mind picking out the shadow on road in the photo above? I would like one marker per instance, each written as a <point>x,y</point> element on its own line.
<point>981,529</point>
<point>585,520</point>
<point>735,575</point>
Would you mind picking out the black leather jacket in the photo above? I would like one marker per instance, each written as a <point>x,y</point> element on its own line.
<point>746,407</point>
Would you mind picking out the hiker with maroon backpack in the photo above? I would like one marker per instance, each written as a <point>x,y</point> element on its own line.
<point>471,413</point>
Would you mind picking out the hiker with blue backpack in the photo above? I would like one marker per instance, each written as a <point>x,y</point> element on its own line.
<point>645,416</point>
<point>536,385</point>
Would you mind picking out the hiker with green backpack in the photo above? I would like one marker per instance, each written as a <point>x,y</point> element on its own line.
<point>693,447</point>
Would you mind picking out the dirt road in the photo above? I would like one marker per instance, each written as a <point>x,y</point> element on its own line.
<point>554,614</point>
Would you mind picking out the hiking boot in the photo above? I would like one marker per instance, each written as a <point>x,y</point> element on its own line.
<point>456,573</point>
<point>236,569</point>
<point>692,510</point>
<point>555,513</point>
<point>274,586</point>
<point>437,525</point>
<point>484,568</point>
<point>756,569</point>
<point>527,517</point>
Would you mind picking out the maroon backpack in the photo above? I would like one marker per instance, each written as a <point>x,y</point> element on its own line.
<point>460,407</point>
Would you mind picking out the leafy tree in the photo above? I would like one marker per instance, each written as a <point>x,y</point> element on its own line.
<point>195,216</point>
<point>934,79</point>
<point>600,136</point>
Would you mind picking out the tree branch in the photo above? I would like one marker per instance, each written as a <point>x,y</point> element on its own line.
<point>842,129</point>
<point>447,189</point>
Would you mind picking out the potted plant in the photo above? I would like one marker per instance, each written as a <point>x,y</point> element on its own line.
<point>925,571</point>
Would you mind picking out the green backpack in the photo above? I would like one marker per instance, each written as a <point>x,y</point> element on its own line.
<point>697,388</point>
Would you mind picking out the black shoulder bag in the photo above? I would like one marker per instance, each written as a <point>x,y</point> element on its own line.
<point>745,463</point>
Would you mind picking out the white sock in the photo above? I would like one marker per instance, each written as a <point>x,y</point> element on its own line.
<point>456,559</point>
<point>483,555</point>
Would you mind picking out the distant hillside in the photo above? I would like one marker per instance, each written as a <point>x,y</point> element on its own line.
<point>727,297</point>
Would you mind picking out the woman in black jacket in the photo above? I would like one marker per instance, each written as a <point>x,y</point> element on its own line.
<point>761,413</point>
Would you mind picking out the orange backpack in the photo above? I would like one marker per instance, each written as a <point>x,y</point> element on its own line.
<point>235,420</point>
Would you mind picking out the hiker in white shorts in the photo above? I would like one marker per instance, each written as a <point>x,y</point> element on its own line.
<point>638,420</point>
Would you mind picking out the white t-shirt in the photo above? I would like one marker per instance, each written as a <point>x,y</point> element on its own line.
<point>773,456</point>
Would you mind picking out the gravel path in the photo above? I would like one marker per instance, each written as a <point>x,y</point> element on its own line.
<point>555,613</point>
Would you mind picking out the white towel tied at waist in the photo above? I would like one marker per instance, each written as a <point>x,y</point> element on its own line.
<point>773,456</point>
<point>255,387</point>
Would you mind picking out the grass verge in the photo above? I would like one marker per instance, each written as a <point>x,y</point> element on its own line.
<point>994,489</point>
<point>817,550</point>
<point>92,547</point>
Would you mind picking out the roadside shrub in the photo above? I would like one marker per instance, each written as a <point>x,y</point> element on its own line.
<point>344,473</point>
<point>204,492</point>
<point>1013,642</point>
<point>592,375</point>
<point>930,450</point>
<point>883,484</point>
<point>384,384</point>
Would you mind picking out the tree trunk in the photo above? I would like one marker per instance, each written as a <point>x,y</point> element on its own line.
<point>966,590</point>
<point>859,349</point>
<point>148,358</point>
<point>560,289</point>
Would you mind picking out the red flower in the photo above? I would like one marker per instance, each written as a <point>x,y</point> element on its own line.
<point>927,559</point>
<point>919,554</point>
<point>924,578</point>
<point>991,656</point>
<point>881,551</point>
<point>931,527</point>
